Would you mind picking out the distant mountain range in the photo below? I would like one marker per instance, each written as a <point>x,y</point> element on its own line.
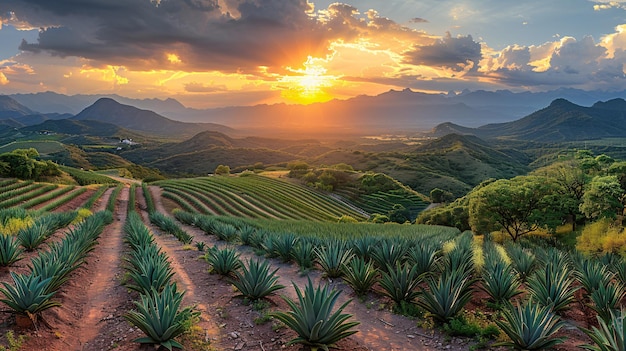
<point>561,121</point>
<point>393,111</point>
<point>105,117</point>
<point>480,113</point>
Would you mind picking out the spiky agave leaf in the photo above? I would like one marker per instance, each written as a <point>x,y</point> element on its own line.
<point>10,251</point>
<point>223,261</point>
<point>530,327</point>
<point>611,334</point>
<point>158,317</point>
<point>313,319</point>
<point>360,275</point>
<point>447,294</point>
<point>500,282</point>
<point>332,258</point>
<point>400,283</point>
<point>606,299</point>
<point>551,286</point>
<point>256,281</point>
<point>388,254</point>
<point>28,294</point>
<point>592,274</point>
<point>304,255</point>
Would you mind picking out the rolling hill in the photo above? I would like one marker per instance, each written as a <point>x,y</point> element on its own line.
<point>559,122</point>
<point>129,117</point>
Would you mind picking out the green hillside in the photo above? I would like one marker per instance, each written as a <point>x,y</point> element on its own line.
<point>44,147</point>
<point>254,196</point>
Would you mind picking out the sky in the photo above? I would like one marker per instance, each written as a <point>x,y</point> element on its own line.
<point>213,53</point>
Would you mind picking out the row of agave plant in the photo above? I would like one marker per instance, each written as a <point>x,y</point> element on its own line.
<point>440,276</point>
<point>157,311</point>
<point>33,292</point>
<point>312,317</point>
<point>30,237</point>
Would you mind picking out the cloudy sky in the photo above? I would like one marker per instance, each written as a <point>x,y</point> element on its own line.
<point>209,53</point>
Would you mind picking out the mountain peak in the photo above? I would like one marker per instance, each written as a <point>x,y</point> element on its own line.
<point>560,102</point>
<point>10,108</point>
<point>618,104</point>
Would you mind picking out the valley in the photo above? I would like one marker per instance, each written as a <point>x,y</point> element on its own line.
<point>426,234</point>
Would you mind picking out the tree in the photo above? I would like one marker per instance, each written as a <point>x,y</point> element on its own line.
<point>517,206</point>
<point>438,195</point>
<point>603,198</point>
<point>222,170</point>
<point>399,214</point>
<point>572,181</point>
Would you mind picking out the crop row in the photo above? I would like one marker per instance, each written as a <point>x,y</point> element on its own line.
<point>253,196</point>
<point>440,274</point>
<point>37,190</point>
<point>157,311</point>
<point>33,292</point>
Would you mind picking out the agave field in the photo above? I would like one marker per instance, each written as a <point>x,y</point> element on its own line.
<point>255,263</point>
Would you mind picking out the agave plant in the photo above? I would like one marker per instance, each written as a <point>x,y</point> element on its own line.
<point>360,275</point>
<point>225,231</point>
<point>388,254</point>
<point>523,261</point>
<point>28,296</point>
<point>256,281</point>
<point>500,282</point>
<point>149,273</point>
<point>246,234</point>
<point>611,336</point>
<point>424,257</point>
<point>364,246</point>
<point>313,319</point>
<point>530,327</point>
<point>332,258</point>
<point>304,255</point>
<point>10,251</point>
<point>284,245</point>
<point>400,283</point>
<point>446,295</point>
<point>55,270</point>
<point>592,274</point>
<point>158,317</point>
<point>460,259</point>
<point>619,268</point>
<point>223,261</point>
<point>606,299</point>
<point>552,286</point>
<point>31,237</point>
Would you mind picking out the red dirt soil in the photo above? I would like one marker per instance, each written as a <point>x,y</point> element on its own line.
<point>94,302</point>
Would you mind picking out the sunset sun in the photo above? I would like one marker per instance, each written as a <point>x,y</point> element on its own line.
<point>308,85</point>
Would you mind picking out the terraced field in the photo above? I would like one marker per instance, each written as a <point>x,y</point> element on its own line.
<point>254,196</point>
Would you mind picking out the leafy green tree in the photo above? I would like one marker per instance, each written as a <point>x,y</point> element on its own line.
<point>439,195</point>
<point>516,206</point>
<point>618,169</point>
<point>222,170</point>
<point>399,214</point>
<point>603,198</point>
<point>572,181</point>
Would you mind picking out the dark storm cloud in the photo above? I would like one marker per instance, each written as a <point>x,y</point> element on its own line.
<point>449,52</point>
<point>139,33</point>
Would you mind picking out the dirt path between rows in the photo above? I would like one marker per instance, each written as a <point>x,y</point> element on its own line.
<point>94,301</point>
<point>379,329</point>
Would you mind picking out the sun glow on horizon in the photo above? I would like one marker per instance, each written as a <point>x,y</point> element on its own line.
<point>308,85</point>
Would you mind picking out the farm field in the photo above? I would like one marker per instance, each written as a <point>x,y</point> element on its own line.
<point>96,296</point>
